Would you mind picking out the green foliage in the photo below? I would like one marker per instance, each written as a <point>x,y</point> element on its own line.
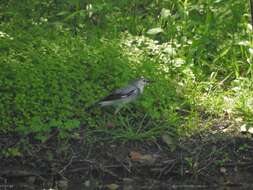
<point>44,87</point>
<point>59,57</point>
<point>11,152</point>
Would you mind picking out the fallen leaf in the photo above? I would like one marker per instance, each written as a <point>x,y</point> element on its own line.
<point>250,130</point>
<point>110,125</point>
<point>135,156</point>
<point>87,183</point>
<point>76,136</point>
<point>169,141</point>
<point>243,128</point>
<point>147,159</point>
<point>112,186</point>
<point>223,170</point>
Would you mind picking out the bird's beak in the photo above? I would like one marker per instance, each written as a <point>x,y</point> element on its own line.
<point>150,81</point>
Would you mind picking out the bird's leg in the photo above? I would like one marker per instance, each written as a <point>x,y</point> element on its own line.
<point>117,109</point>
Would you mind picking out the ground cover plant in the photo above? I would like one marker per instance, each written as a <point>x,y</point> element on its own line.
<point>59,57</point>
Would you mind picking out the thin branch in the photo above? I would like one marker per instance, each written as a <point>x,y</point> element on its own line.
<point>66,166</point>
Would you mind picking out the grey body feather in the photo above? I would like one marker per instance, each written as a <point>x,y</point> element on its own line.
<point>124,95</point>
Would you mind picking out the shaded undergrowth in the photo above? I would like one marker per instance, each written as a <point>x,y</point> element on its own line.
<point>204,160</point>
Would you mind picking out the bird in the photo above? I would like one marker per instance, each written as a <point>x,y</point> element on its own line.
<point>119,97</point>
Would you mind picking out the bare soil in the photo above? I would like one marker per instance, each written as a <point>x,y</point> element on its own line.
<point>204,161</point>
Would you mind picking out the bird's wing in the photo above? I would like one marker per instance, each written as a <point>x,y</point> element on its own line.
<point>120,94</point>
<point>125,90</point>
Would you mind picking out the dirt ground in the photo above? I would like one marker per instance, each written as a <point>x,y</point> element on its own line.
<point>208,160</point>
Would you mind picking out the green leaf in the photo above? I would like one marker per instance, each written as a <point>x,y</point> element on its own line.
<point>76,13</point>
<point>62,13</point>
<point>70,124</point>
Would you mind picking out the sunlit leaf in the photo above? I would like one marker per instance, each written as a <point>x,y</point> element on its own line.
<point>244,43</point>
<point>243,128</point>
<point>251,51</point>
<point>179,62</point>
<point>249,27</point>
<point>165,13</point>
<point>155,31</point>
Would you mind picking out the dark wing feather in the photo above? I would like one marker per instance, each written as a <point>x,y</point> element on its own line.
<point>116,96</point>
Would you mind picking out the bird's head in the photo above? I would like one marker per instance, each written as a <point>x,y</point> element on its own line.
<point>142,82</point>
